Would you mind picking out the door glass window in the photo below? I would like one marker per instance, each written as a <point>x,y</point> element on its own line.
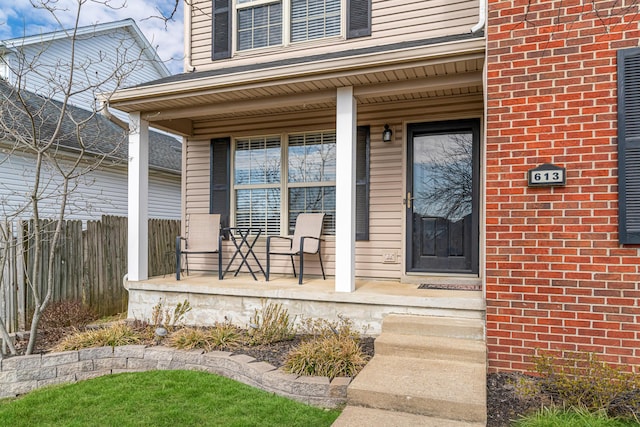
<point>443,175</point>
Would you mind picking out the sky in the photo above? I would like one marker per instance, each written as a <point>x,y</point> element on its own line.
<point>19,18</point>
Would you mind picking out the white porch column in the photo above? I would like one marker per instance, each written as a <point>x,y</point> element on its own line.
<point>138,238</point>
<point>345,190</point>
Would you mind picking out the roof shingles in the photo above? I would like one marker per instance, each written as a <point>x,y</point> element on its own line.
<point>98,134</point>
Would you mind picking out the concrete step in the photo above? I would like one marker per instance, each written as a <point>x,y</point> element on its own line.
<point>432,347</point>
<point>445,389</point>
<point>353,416</point>
<point>452,327</point>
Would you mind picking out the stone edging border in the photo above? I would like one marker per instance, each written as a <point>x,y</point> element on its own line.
<point>22,374</point>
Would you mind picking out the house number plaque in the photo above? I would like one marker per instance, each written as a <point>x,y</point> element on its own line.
<point>547,175</point>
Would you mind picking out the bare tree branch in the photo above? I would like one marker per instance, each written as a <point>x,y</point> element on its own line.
<point>64,143</point>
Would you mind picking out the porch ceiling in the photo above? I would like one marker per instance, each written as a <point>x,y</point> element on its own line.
<point>268,93</point>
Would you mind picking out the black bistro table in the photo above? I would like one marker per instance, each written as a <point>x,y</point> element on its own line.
<point>244,239</point>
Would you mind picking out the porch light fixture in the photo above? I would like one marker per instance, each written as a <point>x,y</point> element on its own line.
<point>386,134</point>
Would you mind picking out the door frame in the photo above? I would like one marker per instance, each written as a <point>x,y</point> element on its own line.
<point>473,124</point>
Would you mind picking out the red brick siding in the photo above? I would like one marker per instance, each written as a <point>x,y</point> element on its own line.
<point>557,279</point>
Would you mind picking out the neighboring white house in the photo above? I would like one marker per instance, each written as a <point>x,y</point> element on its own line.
<point>106,56</point>
<point>42,61</point>
<point>103,190</point>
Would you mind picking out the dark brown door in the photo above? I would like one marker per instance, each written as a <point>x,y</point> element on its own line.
<point>442,197</point>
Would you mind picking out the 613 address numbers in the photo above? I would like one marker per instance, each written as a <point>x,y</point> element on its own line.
<point>547,175</point>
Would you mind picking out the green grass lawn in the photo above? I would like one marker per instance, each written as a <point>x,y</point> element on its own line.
<point>159,398</point>
<point>553,417</point>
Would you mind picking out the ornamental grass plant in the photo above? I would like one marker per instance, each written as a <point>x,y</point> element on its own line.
<point>331,349</point>
<point>113,335</point>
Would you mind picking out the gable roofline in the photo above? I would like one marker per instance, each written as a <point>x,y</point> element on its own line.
<point>127,24</point>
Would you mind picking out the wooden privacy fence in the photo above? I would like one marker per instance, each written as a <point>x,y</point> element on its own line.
<point>89,264</point>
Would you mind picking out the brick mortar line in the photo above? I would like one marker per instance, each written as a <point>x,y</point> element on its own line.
<point>22,374</point>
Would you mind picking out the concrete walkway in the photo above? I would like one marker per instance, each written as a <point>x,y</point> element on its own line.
<point>427,371</point>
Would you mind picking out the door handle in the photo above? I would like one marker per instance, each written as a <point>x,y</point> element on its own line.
<point>407,201</point>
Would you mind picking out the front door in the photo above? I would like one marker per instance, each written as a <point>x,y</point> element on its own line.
<point>442,197</point>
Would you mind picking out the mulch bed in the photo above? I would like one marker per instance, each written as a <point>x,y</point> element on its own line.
<point>504,403</point>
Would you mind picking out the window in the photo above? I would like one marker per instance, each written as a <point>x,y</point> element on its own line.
<point>276,178</point>
<point>308,178</point>
<point>314,19</point>
<point>311,173</point>
<point>257,183</point>
<point>260,21</point>
<point>259,26</point>
<point>264,23</point>
<point>629,145</point>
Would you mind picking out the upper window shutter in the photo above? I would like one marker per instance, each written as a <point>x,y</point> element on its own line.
<point>220,179</point>
<point>221,27</point>
<point>629,145</point>
<point>358,18</point>
<point>362,183</point>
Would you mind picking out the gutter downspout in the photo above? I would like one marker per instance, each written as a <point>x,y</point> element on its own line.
<point>118,121</point>
<point>482,16</point>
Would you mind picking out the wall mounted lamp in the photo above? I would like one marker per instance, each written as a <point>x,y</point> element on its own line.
<point>386,134</point>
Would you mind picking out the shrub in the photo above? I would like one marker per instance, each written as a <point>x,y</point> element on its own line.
<point>67,313</point>
<point>114,335</point>
<point>270,324</point>
<point>331,349</point>
<point>581,380</point>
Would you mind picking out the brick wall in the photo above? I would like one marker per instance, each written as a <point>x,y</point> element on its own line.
<point>557,279</point>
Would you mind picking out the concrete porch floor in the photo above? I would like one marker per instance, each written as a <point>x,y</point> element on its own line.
<point>236,298</point>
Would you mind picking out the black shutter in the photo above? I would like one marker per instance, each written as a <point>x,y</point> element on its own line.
<point>358,18</point>
<point>220,179</point>
<point>221,25</point>
<point>629,145</point>
<point>362,183</point>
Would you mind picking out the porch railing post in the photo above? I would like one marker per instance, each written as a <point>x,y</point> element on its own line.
<point>346,114</point>
<point>138,226</point>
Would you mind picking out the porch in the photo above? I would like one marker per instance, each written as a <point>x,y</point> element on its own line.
<point>236,298</point>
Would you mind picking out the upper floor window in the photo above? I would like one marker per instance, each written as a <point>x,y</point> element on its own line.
<point>314,19</point>
<point>252,24</point>
<point>260,23</point>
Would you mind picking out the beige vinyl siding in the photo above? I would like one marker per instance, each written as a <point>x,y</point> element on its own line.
<point>393,21</point>
<point>387,173</point>
<point>197,177</point>
<point>201,38</point>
